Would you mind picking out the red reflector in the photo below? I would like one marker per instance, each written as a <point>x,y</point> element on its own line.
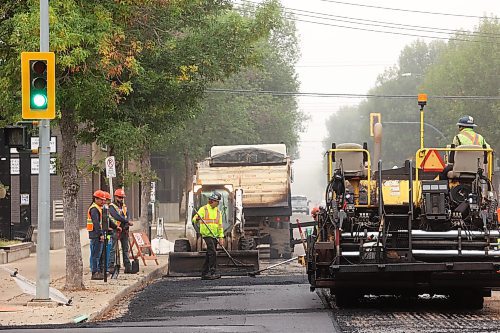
<point>278,219</point>
<point>287,218</point>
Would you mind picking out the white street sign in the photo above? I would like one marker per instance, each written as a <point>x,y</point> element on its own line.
<point>14,166</point>
<point>35,142</point>
<point>35,166</point>
<point>110,167</point>
<point>25,199</point>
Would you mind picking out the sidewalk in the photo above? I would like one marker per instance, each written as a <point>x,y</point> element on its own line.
<point>94,302</point>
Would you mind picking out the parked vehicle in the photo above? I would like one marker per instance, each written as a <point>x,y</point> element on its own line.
<point>300,204</point>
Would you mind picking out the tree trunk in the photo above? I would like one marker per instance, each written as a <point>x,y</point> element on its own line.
<point>69,175</point>
<point>146,177</point>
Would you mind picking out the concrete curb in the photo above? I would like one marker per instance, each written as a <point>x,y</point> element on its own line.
<point>157,273</point>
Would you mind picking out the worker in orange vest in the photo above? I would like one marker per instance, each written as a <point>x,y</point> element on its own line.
<point>96,236</point>
<point>119,215</point>
<point>111,226</point>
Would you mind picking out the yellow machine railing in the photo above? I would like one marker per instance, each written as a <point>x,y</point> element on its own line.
<point>355,185</point>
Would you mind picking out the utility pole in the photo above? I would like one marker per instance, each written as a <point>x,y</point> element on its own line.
<point>43,237</point>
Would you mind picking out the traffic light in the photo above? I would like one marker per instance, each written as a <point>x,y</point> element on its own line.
<point>374,118</point>
<point>16,137</point>
<point>38,85</point>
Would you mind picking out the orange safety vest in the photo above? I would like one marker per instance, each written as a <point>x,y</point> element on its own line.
<point>122,211</point>
<point>90,224</point>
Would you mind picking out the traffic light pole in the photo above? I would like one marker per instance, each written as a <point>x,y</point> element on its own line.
<point>43,236</point>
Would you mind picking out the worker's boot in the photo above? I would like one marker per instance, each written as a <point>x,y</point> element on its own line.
<point>215,276</point>
<point>97,276</point>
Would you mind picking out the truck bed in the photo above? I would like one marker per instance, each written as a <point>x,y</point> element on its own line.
<point>263,185</point>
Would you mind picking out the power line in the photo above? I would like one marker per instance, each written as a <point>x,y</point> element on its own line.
<point>400,9</point>
<point>385,32</point>
<point>338,95</point>
<point>389,25</point>
<point>384,23</point>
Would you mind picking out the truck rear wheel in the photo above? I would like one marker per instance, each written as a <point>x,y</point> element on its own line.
<point>182,245</point>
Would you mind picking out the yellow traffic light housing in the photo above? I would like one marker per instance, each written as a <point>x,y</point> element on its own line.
<point>38,85</point>
<point>374,118</point>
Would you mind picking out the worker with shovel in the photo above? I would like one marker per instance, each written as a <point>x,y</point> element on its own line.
<point>211,229</point>
<point>119,215</point>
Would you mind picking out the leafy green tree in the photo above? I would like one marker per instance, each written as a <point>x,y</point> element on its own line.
<point>400,139</point>
<point>455,68</point>
<point>190,46</point>
<point>231,118</point>
<point>468,69</point>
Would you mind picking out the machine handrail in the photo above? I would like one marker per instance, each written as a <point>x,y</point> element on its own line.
<point>330,162</point>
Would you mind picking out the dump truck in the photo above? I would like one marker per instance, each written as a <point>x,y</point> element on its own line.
<point>410,230</point>
<point>263,174</point>
<point>255,184</point>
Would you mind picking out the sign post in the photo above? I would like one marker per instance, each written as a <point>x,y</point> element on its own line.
<point>110,172</point>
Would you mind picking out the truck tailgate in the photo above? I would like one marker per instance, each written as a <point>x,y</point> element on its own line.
<point>263,185</point>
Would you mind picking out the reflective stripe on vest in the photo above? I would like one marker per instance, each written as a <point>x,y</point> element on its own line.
<point>121,211</point>
<point>90,224</point>
<point>212,227</point>
<point>473,139</point>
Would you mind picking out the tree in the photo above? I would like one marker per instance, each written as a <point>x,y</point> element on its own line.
<point>231,118</point>
<point>455,68</point>
<point>468,69</point>
<point>183,57</point>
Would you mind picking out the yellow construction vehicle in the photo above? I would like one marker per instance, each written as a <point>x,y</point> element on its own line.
<point>404,230</point>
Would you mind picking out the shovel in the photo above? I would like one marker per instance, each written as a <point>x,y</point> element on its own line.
<point>235,262</point>
<point>254,273</point>
<point>117,256</point>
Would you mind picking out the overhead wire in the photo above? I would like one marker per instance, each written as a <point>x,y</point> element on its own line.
<point>327,16</point>
<point>402,10</point>
<point>377,30</point>
<point>344,95</point>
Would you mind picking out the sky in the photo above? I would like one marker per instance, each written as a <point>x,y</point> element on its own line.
<point>341,60</point>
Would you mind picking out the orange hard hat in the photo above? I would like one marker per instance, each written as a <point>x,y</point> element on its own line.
<point>107,195</point>
<point>99,194</point>
<point>314,211</point>
<point>120,193</point>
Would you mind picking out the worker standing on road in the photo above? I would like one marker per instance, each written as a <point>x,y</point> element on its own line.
<point>210,231</point>
<point>119,215</point>
<point>94,227</point>
<point>466,137</point>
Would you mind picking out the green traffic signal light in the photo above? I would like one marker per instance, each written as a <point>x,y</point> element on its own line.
<point>40,101</point>
<point>38,86</point>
